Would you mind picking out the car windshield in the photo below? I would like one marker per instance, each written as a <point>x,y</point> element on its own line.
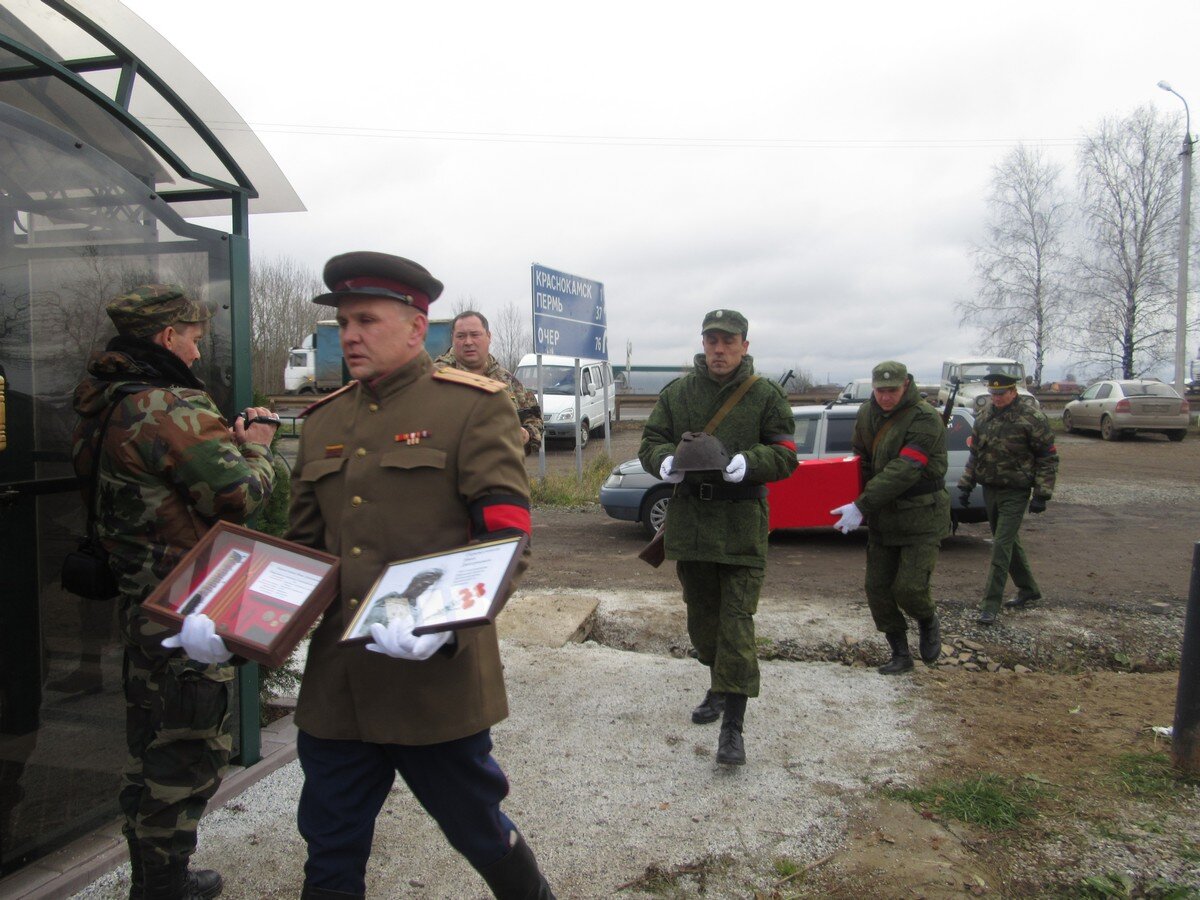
<point>1147,389</point>
<point>980,371</point>
<point>557,379</point>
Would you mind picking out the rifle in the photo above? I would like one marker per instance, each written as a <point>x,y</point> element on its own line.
<point>949,410</point>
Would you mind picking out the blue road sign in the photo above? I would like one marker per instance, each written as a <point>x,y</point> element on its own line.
<point>568,315</point>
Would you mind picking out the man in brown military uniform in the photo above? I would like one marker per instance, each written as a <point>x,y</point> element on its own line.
<point>404,461</point>
<point>470,350</point>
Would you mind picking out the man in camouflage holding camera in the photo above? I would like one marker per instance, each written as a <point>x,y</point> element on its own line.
<point>170,466</point>
<point>1013,456</point>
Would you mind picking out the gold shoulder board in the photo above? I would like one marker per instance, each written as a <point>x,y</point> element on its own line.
<point>327,398</point>
<point>461,376</point>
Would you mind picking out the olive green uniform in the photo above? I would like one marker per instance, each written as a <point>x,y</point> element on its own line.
<point>167,472</point>
<point>905,503</point>
<point>717,532</point>
<point>1012,456</point>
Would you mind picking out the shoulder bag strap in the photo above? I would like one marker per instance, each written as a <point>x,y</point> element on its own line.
<point>729,404</point>
<point>908,417</point>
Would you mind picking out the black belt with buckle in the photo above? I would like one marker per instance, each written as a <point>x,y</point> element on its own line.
<point>707,490</point>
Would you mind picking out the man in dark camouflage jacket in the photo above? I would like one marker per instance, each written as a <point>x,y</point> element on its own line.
<point>170,466</point>
<point>1012,456</point>
<point>471,342</point>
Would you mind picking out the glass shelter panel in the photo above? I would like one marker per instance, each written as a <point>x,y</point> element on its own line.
<point>78,230</point>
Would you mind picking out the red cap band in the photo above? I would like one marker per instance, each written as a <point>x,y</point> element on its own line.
<point>395,289</point>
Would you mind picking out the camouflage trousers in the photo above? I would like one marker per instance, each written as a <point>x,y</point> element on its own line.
<point>898,578</point>
<point>177,730</point>
<point>1006,511</point>
<point>721,602</point>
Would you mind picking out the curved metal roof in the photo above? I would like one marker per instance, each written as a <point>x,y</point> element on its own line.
<point>96,70</point>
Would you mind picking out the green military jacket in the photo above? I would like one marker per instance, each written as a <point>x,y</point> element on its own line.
<point>760,426</point>
<point>904,494</point>
<point>1013,448</point>
<point>419,462</point>
<point>169,468</point>
<point>525,400</point>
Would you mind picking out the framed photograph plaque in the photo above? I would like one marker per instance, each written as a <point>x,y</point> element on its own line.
<point>261,592</point>
<point>441,591</point>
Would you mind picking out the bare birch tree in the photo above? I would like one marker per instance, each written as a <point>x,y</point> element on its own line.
<point>1129,175</point>
<point>282,314</point>
<point>1023,268</point>
<point>512,336</point>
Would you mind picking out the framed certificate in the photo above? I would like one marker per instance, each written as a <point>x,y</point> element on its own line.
<point>261,592</point>
<point>441,591</point>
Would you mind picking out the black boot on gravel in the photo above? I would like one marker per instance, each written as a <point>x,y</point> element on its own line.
<point>901,660</point>
<point>710,710</point>
<point>931,639</point>
<point>731,750</point>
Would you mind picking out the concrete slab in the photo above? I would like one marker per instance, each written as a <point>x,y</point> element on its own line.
<point>547,620</point>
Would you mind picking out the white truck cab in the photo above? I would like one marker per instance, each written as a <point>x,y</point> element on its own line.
<point>558,387</point>
<point>970,373</point>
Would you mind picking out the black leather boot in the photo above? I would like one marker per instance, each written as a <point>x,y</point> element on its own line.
<point>901,660</point>
<point>308,892</point>
<point>174,881</point>
<point>516,876</point>
<point>931,639</point>
<point>136,878</point>
<point>731,750</point>
<point>710,710</point>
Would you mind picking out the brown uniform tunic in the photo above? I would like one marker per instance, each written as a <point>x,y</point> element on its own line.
<point>363,491</point>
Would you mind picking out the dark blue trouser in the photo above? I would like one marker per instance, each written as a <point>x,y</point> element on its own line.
<point>346,783</point>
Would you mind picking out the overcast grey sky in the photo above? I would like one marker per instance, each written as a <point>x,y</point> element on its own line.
<point>822,168</point>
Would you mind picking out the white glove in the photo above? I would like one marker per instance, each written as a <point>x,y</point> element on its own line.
<point>398,641</point>
<point>851,518</point>
<point>736,470</point>
<point>199,640</point>
<point>665,473</point>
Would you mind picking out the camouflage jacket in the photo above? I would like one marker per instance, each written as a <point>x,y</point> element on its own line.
<point>525,400</point>
<point>904,470</point>
<point>169,467</point>
<point>760,426</point>
<point>1012,448</point>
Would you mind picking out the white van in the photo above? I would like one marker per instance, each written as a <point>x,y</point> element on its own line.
<point>558,386</point>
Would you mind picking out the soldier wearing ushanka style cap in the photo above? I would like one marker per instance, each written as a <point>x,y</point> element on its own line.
<point>716,529</point>
<point>901,444</point>
<point>1014,458</point>
<point>404,461</point>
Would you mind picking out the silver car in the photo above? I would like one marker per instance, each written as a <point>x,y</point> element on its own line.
<point>633,494</point>
<point>1118,409</point>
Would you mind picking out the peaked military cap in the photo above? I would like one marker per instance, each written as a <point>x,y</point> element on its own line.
<point>149,308</point>
<point>889,374</point>
<point>727,320</point>
<point>368,274</point>
<point>1000,382</point>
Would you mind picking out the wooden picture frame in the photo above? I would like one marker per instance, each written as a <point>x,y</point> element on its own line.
<point>459,588</point>
<point>262,592</point>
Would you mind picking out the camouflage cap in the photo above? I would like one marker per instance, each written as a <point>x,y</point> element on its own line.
<point>148,309</point>
<point>889,374</point>
<point>727,320</point>
<point>1000,383</point>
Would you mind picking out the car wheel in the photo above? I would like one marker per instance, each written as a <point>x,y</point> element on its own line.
<point>585,431</point>
<point>1177,434</point>
<point>1068,425</point>
<point>654,509</point>
<point>1108,430</point>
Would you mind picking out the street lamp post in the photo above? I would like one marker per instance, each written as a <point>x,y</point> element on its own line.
<point>1185,215</point>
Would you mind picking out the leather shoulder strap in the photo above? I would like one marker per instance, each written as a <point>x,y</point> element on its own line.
<point>730,402</point>
<point>907,416</point>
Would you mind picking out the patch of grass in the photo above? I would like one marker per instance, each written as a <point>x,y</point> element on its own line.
<point>989,801</point>
<point>566,490</point>
<point>1119,886</point>
<point>1149,775</point>
<point>785,867</point>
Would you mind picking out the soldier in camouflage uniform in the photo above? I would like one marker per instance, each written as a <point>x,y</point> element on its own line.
<point>169,468</point>
<point>716,528</point>
<point>470,342</point>
<point>1012,456</point>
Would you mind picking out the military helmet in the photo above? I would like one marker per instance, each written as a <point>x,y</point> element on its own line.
<point>700,452</point>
